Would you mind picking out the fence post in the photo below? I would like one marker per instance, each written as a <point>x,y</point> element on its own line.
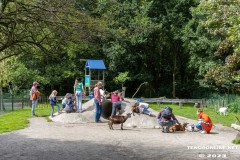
<point>0,102</point>
<point>12,101</point>
<point>22,100</point>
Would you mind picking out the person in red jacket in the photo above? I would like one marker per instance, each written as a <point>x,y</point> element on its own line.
<point>205,122</point>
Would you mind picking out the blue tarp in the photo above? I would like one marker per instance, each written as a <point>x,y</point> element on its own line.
<point>95,64</point>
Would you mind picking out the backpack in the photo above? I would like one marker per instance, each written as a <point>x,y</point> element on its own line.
<point>167,113</point>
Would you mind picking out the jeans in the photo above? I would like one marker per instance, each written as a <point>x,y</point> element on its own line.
<point>199,126</point>
<point>168,123</point>
<point>146,111</point>
<point>34,104</point>
<point>98,110</point>
<point>79,101</point>
<point>115,105</point>
<point>52,105</point>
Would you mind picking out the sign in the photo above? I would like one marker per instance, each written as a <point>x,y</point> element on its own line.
<point>87,81</point>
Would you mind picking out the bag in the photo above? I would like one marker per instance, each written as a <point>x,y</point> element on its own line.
<point>34,96</point>
<point>167,113</point>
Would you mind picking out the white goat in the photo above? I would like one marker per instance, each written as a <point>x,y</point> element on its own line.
<point>222,110</point>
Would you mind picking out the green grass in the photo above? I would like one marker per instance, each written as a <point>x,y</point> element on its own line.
<point>189,111</point>
<point>18,119</point>
<point>236,141</point>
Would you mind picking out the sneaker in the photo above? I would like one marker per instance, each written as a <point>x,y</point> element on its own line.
<point>203,132</point>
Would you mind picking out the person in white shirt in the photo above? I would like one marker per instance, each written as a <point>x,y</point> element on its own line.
<point>143,107</point>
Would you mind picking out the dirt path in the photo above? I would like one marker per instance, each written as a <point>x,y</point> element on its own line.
<point>44,140</point>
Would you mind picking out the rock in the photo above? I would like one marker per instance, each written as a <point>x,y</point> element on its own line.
<point>237,127</point>
<point>87,116</point>
<point>238,137</point>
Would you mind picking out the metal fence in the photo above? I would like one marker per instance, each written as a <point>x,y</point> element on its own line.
<point>10,101</point>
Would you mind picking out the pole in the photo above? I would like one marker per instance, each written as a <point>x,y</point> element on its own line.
<point>139,88</point>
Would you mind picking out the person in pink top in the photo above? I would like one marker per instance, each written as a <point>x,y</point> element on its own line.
<point>116,102</point>
<point>98,102</point>
<point>34,96</point>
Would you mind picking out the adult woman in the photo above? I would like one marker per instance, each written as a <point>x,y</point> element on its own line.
<point>98,102</point>
<point>166,118</point>
<point>34,96</point>
<point>79,92</point>
<point>205,122</point>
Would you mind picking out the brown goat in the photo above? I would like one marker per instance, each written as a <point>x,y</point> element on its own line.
<point>135,110</point>
<point>118,120</point>
<point>177,127</point>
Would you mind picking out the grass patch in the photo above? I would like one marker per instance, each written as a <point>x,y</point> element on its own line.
<point>189,111</point>
<point>48,119</point>
<point>18,119</point>
<point>236,141</point>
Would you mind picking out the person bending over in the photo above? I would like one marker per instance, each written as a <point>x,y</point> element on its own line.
<point>166,118</point>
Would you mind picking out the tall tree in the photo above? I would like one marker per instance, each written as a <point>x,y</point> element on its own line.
<point>213,40</point>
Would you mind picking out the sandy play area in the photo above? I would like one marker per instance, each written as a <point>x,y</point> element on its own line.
<point>74,136</point>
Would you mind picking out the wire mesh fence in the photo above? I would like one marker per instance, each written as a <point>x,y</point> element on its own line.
<point>19,100</point>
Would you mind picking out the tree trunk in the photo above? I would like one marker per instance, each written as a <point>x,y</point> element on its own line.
<point>174,70</point>
<point>174,74</point>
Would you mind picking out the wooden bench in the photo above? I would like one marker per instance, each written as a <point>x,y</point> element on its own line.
<point>202,102</point>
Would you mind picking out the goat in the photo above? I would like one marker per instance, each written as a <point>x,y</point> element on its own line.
<point>177,127</point>
<point>135,110</point>
<point>118,120</point>
<point>222,110</point>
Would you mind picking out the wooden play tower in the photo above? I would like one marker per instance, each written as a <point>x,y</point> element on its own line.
<point>94,72</point>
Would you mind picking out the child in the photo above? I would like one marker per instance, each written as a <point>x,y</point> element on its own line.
<point>53,101</point>
<point>143,107</point>
<point>64,100</point>
<point>116,103</point>
<point>69,105</point>
<point>79,92</point>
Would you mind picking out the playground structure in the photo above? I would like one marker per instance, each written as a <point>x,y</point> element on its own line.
<point>94,72</point>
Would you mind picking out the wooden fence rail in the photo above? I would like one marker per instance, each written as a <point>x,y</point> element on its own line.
<point>201,102</point>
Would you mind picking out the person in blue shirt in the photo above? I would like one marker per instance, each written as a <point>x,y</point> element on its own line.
<point>53,101</point>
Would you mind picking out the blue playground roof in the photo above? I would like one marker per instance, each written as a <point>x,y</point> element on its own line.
<point>95,64</point>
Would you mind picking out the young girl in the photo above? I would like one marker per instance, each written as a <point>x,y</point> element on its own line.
<point>53,101</point>
<point>116,103</point>
<point>79,92</point>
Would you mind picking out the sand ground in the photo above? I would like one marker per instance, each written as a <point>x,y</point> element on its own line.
<point>75,136</point>
<point>54,140</point>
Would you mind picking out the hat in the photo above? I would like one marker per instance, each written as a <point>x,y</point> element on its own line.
<point>34,83</point>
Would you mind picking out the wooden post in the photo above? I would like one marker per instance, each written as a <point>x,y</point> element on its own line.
<point>103,79</point>
<point>180,104</point>
<point>159,103</point>
<point>12,101</point>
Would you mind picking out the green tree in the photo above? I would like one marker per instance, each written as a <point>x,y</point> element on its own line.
<point>213,41</point>
<point>122,78</point>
